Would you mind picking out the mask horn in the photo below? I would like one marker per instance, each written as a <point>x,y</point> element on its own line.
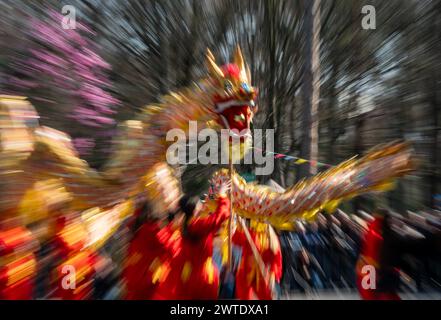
<point>248,73</point>
<point>213,67</point>
<point>238,59</point>
<point>210,55</point>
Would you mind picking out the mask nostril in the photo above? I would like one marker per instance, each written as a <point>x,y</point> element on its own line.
<point>239,117</point>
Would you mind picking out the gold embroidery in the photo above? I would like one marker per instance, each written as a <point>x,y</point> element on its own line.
<point>159,270</point>
<point>22,271</point>
<point>134,258</point>
<point>186,271</point>
<point>209,270</point>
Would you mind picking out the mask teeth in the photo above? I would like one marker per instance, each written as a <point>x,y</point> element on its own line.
<point>220,107</point>
<point>231,133</point>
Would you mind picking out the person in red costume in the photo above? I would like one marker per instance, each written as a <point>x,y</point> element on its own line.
<point>17,263</point>
<point>384,244</point>
<point>370,255</point>
<point>272,256</point>
<point>250,282</point>
<point>73,263</point>
<point>194,274</point>
<point>247,274</point>
<point>148,258</point>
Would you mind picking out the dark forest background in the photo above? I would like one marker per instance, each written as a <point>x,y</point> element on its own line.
<point>314,65</point>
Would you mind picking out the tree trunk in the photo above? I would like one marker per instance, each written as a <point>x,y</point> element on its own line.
<point>190,54</point>
<point>272,106</point>
<point>433,172</point>
<point>358,148</point>
<point>162,54</point>
<point>311,88</point>
<point>332,121</point>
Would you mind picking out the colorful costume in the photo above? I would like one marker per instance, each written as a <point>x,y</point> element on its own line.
<point>248,278</point>
<point>250,283</point>
<point>194,274</point>
<point>370,255</point>
<point>18,264</point>
<point>272,255</point>
<point>148,263</point>
<point>82,263</point>
<point>225,99</point>
<point>74,262</point>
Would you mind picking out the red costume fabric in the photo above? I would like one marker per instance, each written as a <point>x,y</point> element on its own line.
<point>370,255</point>
<point>79,268</point>
<point>69,238</point>
<point>272,256</point>
<point>244,284</point>
<point>148,262</point>
<point>193,272</point>
<point>17,264</point>
<point>250,284</point>
<point>76,263</point>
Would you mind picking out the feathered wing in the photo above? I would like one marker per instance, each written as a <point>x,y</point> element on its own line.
<point>374,172</point>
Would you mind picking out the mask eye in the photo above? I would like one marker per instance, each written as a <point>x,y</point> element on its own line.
<point>245,87</point>
<point>228,86</point>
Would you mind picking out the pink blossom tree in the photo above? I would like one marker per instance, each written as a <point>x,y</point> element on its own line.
<point>62,73</point>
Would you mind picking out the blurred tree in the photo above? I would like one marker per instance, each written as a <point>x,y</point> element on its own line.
<point>311,89</point>
<point>62,70</point>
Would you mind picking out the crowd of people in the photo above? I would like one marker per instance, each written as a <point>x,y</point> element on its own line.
<point>189,257</point>
<point>176,255</point>
<point>329,254</point>
<point>186,255</point>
